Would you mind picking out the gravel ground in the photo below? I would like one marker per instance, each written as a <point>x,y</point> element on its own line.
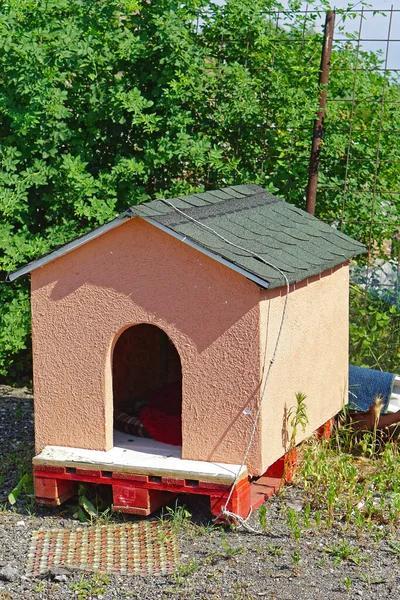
<point>216,563</point>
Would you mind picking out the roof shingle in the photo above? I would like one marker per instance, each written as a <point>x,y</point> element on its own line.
<point>286,237</point>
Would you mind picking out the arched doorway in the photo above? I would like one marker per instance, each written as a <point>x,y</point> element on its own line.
<point>147,386</point>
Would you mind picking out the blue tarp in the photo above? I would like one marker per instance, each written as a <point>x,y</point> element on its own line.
<point>365,385</point>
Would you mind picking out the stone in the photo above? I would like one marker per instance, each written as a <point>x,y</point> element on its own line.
<point>9,573</point>
<point>60,573</point>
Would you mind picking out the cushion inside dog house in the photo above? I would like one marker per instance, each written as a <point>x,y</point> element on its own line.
<point>212,307</point>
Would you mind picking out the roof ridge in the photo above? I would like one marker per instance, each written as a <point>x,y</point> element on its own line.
<point>226,207</point>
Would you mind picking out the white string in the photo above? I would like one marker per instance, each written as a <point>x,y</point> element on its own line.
<point>224,510</point>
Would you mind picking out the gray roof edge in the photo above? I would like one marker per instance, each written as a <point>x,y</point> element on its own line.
<point>66,248</point>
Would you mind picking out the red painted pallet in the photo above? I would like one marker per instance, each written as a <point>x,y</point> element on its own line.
<point>143,494</point>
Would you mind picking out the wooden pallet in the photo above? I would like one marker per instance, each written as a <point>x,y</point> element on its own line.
<point>141,494</point>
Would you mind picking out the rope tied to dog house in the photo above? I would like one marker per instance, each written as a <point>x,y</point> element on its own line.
<point>224,511</point>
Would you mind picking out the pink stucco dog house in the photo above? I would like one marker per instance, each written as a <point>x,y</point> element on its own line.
<point>187,293</point>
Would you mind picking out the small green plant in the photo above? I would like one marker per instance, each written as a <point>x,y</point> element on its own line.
<point>90,585</point>
<point>182,571</point>
<point>348,582</point>
<point>24,485</point>
<point>394,547</point>
<point>204,529</point>
<point>291,518</point>
<point>229,550</point>
<point>240,591</point>
<point>345,552</point>
<point>94,509</point>
<point>378,535</point>
<point>296,417</point>
<point>306,516</point>
<point>274,550</point>
<point>39,587</point>
<point>296,557</point>
<point>293,524</point>
<point>86,510</point>
<point>262,515</point>
<point>178,517</point>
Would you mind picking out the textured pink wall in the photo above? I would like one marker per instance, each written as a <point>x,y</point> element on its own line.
<point>138,274</point>
<point>312,357</point>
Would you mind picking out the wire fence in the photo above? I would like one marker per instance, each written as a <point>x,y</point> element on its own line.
<point>358,187</point>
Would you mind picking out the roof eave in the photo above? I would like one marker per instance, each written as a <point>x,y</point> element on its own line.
<point>84,239</point>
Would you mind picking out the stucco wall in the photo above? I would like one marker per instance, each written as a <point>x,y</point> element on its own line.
<point>312,356</point>
<point>139,274</point>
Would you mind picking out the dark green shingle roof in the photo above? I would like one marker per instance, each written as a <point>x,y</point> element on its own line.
<point>286,237</point>
<point>289,238</point>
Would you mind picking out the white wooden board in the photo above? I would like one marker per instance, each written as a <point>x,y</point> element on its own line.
<point>394,400</point>
<point>142,456</point>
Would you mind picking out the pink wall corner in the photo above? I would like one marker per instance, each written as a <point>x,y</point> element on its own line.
<point>312,357</point>
<point>136,273</point>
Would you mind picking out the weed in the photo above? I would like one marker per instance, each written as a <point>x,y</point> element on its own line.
<point>206,529</point>
<point>378,535</point>
<point>178,517</point>
<point>306,517</point>
<point>293,524</point>
<point>239,589</point>
<point>296,416</point>
<point>346,479</point>
<point>92,507</point>
<point>90,585</point>
<point>229,550</point>
<point>291,518</point>
<point>394,547</point>
<point>359,520</point>
<point>25,485</point>
<point>262,515</point>
<point>39,587</point>
<point>345,551</point>
<point>347,583</point>
<point>183,570</point>
<point>274,550</point>
<point>366,577</point>
<point>296,557</point>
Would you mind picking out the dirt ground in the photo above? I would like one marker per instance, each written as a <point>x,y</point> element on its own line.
<point>305,560</point>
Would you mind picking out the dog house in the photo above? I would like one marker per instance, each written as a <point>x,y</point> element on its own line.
<point>174,308</point>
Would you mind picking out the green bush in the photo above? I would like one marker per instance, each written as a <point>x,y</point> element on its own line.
<point>107,103</point>
<point>374,332</point>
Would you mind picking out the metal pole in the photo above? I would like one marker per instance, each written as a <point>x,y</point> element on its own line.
<point>319,121</point>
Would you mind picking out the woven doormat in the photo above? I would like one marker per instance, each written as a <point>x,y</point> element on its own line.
<point>144,548</point>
